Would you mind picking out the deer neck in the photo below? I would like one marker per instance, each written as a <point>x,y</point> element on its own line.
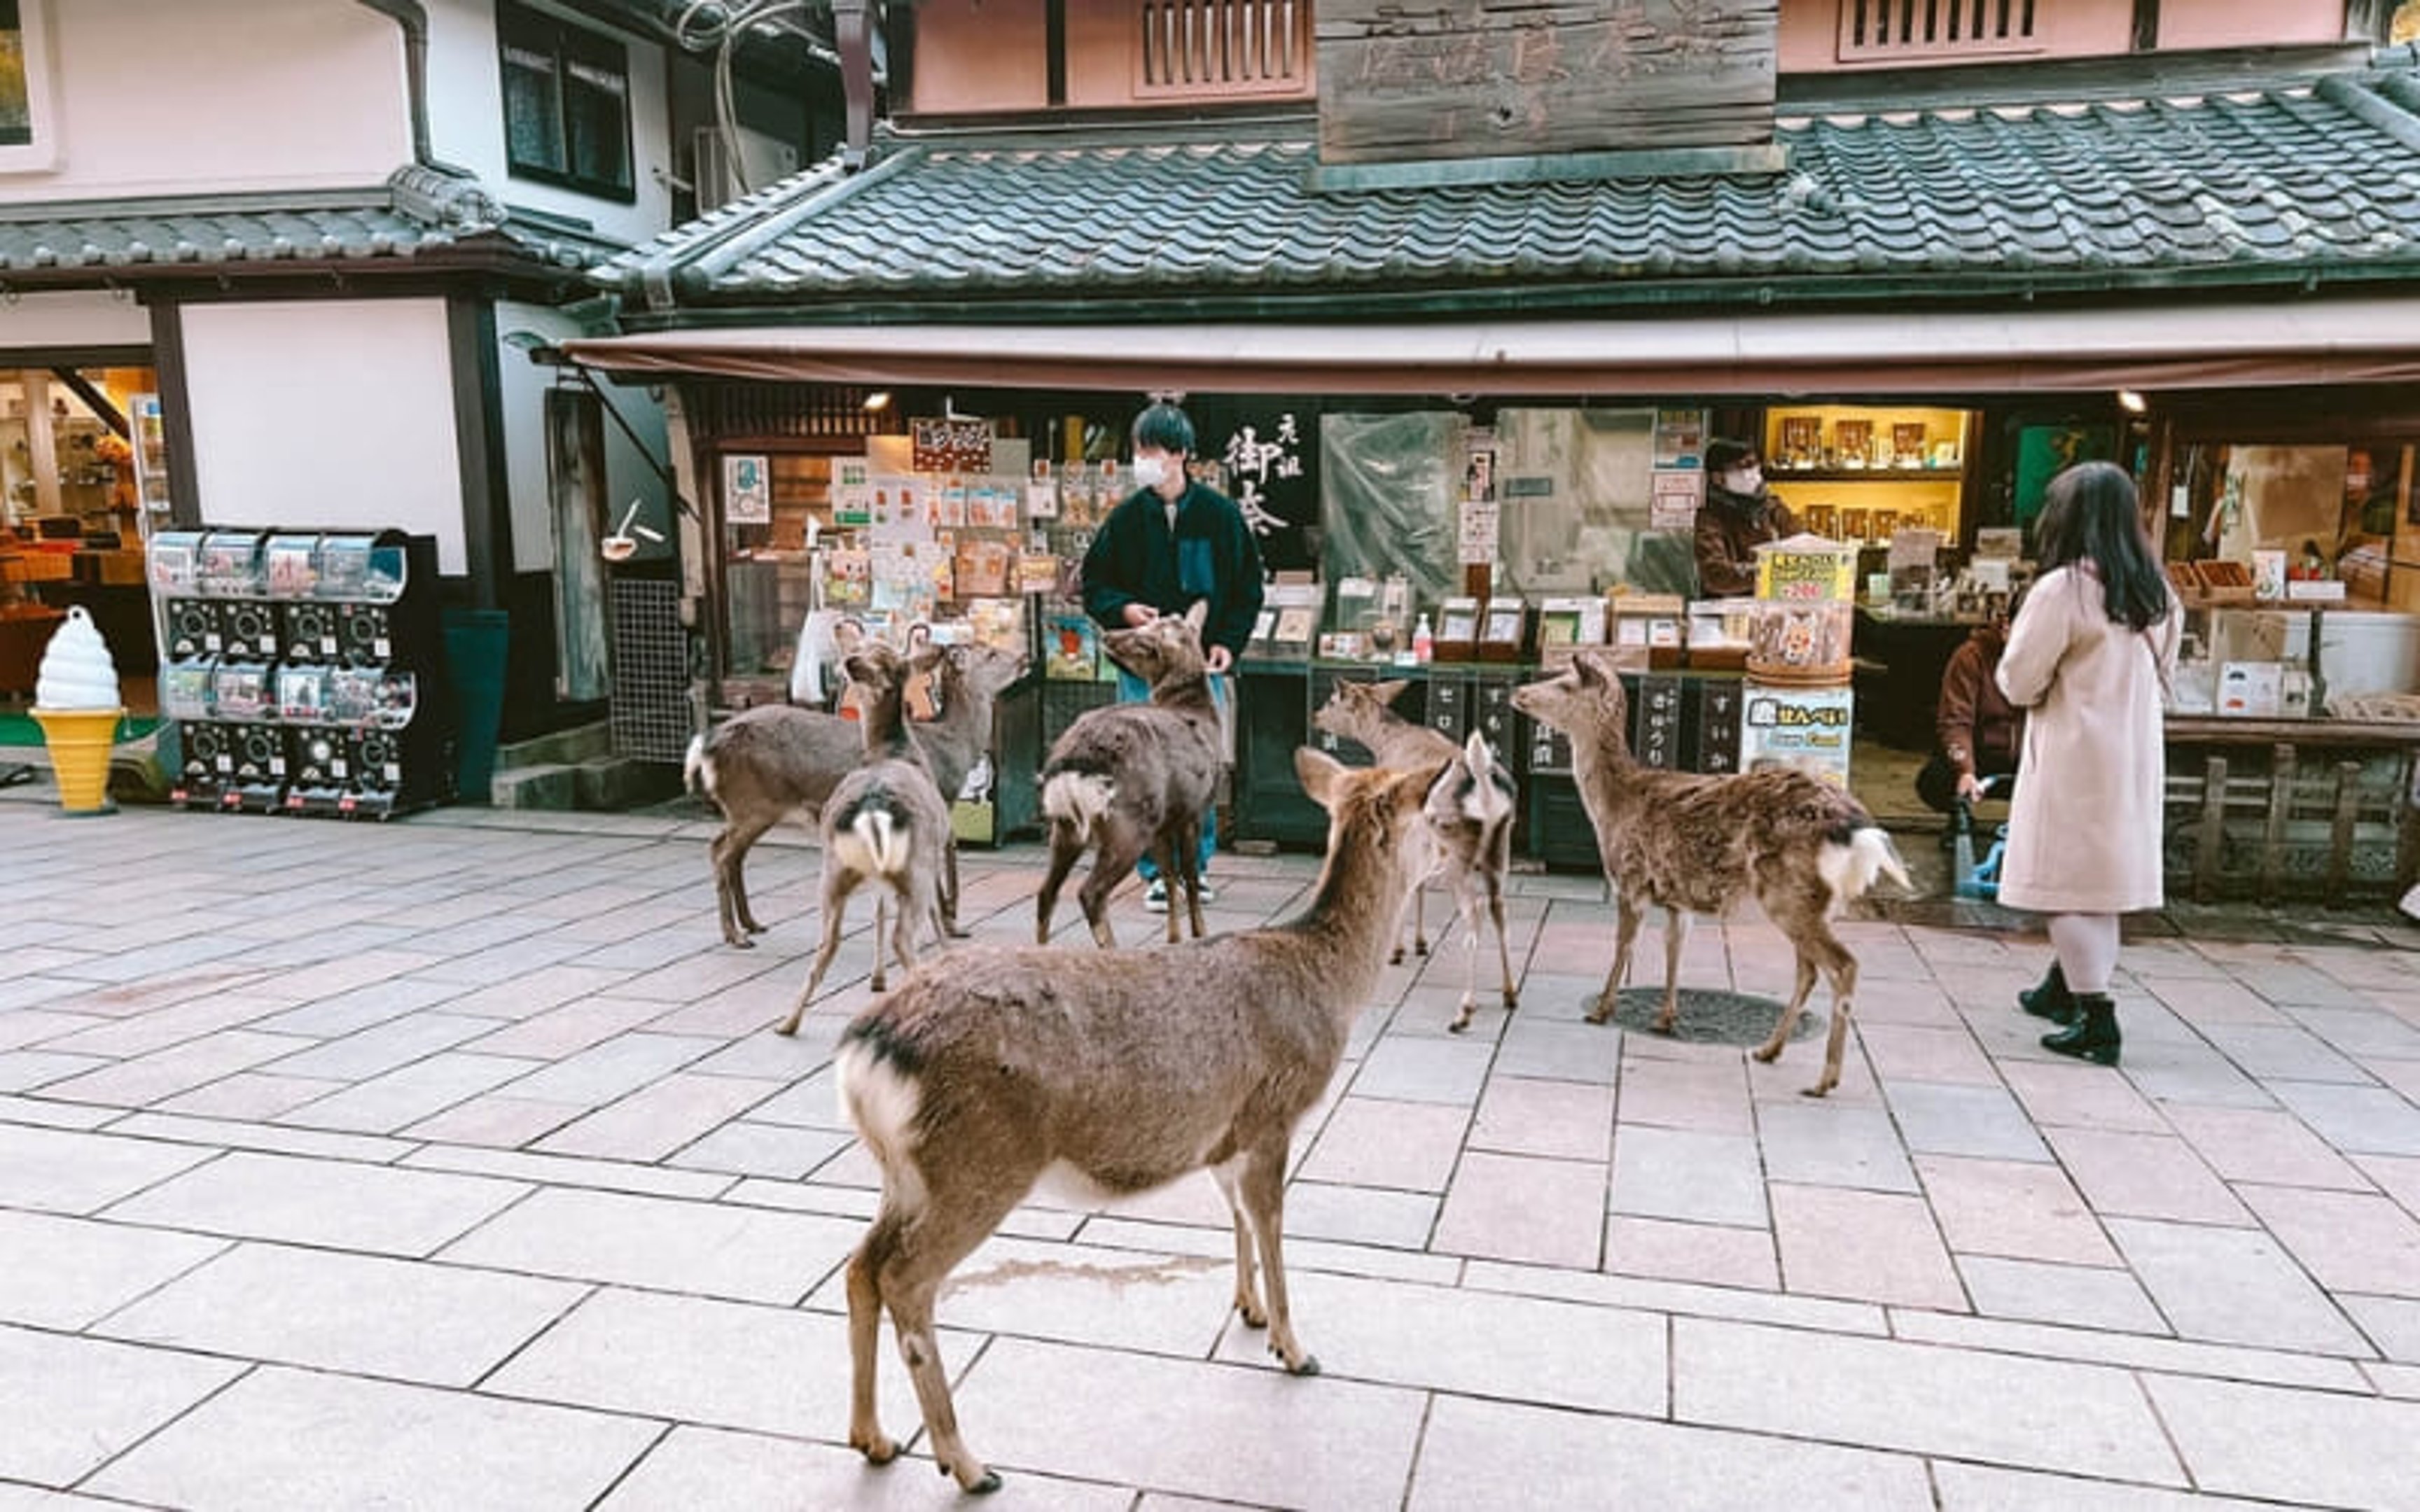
<point>1600,760</point>
<point>885,724</point>
<point>1183,691</point>
<point>1354,909</point>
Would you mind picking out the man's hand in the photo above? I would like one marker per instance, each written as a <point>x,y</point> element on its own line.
<point>1217,659</point>
<point>1970,787</point>
<point>1138,615</point>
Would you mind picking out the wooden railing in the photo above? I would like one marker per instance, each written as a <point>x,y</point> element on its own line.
<point>1224,47</point>
<point>1889,31</point>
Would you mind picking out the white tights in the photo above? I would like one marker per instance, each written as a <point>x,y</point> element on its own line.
<point>2088,950</point>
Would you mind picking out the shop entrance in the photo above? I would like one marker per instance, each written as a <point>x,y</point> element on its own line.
<point>83,480</point>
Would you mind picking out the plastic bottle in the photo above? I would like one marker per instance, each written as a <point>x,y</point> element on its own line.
<point>1423,642</point>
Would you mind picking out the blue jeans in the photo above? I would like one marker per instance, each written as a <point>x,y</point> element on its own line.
<point>1133,689</point>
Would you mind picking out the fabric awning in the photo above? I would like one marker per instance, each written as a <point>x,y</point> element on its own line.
<point>2163,347</point>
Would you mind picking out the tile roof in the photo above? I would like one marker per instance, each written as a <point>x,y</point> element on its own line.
<point>417,213</point>
<point>2300,179</point>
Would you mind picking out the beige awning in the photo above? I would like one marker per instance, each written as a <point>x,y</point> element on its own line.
<point>2158,346</point>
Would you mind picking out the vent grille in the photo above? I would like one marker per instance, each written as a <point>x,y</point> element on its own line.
<point>1889,31</point>
<point>651,718</point>
<point>1224,46</point>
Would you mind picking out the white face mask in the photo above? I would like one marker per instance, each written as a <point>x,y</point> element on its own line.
<point>1149,471</point>
<point>1746,480</point>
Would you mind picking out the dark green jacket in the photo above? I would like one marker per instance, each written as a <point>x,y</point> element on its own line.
<point>1211,555</point>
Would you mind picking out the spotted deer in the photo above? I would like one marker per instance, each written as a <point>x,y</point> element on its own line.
<point>885,823</point>
<point>1134,778</point>
<point>1123,1069</point>
<point>764,765</point>
<point>1470,818</point>
<point>1692,844</point>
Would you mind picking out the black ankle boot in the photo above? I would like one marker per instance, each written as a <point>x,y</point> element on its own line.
<point>2093,1035</point>
<point>2050,1001</point>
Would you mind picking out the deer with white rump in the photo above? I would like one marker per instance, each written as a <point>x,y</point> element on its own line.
<point>1691,844</point>
<point>1469,816</point>
<point>1131,777</point>
<point>1125,1070</point>
<point>765,764</point>
<point>886,822</point>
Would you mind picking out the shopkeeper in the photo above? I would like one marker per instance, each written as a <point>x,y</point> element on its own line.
<point>1739,515</point>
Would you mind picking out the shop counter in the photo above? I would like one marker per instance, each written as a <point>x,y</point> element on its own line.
<point>2269,808</point>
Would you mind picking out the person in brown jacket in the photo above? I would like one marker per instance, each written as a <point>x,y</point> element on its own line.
<point>1739,515</point>
<point>1976,729</point>
<point>2088,657</point>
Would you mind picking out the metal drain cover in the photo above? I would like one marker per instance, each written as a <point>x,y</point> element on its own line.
<point>1712,1017</point>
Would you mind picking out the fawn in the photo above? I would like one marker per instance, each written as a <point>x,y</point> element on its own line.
<point>1132,777</point>
<point>1128,1070</point>
<point>1469,817</point>
<point>885,822</point>
<point>1692,843</point>
<point>765,763</point>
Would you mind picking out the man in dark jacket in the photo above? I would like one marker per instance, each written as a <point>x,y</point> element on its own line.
<point>1170,543</point>
<point>1977,730</point>
<point>1739,515</point>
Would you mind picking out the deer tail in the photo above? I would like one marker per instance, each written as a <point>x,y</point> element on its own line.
<point>1488,801</point>
<point>1078,800</point>
<point>875,842</point>
<point>1851,867</point>
<point>697,767</point>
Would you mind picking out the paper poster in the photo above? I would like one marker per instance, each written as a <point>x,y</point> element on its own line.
<point>1481,524</point>
<point>1679,437</point>
<point>747,491</point>
<point>1673,497</point>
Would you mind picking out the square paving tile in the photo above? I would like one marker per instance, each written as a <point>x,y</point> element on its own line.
<point>1524,1116</point>
<point>1833,1144</point>
<point>2263,1145</point>
<point>1410,1147</point>
<point>281,1438</point>
<point>2303,1447</point>
<point>66,1272</point>
<point>1942,1118</point>
<point>2145,1176</point>
<point>72,1403</point>
<point>2369,1121</point>
<point>1680,1173</point>
<point>2076,1296</point>
<point>1711,1096</point>
<point>2349,1241</point>
<point>1710,1254</point>
<point>659,1119</point>
<point>1866,1246</point>
<point>701,1248</point>
<point>1525,1208</point>
<point>1990,1488</point>
<point>437,1324</point>
<point>339,1204</point>
<point>2232,1286</point>
<point>2013,1209</point>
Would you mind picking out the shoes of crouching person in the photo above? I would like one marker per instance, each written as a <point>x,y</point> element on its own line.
<point>1156,896</point>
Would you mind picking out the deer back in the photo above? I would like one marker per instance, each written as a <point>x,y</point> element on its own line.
<point>775,758</point>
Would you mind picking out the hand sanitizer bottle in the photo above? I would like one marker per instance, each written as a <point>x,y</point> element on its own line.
<point>1423,642</point>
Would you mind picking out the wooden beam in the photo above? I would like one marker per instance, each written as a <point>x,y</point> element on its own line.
<point>2273,833</point>
<point>2211,845</point>
<point>2340,834</point>
<point>2147,25</point>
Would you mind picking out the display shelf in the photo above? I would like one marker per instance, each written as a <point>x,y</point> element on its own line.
<point>1779,477</point>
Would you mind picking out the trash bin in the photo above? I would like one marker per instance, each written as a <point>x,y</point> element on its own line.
<point>477,640</point>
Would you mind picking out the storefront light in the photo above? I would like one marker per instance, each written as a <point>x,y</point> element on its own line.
<point>878,400</point>
<point>2132,401</point>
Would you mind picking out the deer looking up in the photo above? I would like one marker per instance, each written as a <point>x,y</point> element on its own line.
<point>1126,1069</point>
<point>1469,817</point>
<point>885,823</point>
<point>765,764</point>
<point>1131,777</point>
<point>1691,844</point>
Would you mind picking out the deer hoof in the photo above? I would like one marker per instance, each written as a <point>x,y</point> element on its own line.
<point>878,1450</point>
<point>1600,1013</point>
<point>1512,1001</point>
<point>1396,959</point>
<point>1766,1053</point>
<point>752,926</point>
<point>984,1487</point>
<point>740,942</point>
<point>1819,1090</point>
<point>1307,1365</point>
<point>1419,948</point>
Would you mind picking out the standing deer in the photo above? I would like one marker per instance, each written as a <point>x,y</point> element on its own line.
<point>1469,816</point>
<point>1691,844</point>
<point>1130,778</point>
<point>765,764</point>
<point>1128,1070</point>
<point>885,823</point>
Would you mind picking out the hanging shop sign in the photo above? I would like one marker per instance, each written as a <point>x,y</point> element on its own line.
<point>747,490</point>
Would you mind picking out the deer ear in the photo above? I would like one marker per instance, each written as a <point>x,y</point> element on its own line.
<point>848,634</point>
<point>1387,693</point>
<point>1322,775</point>
<point>1198,615</point>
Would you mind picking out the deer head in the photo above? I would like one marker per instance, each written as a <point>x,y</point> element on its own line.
<point>1166,648</point>
<point>1356,710</point>
<point>1584,700</point>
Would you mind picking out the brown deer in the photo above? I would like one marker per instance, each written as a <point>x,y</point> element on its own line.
<point>1131,777</point>
<point>764,765</point>
<point>1469,817</point>
<point>1687,844</point>
<point>885,822</point>
<point>1126,1069</point>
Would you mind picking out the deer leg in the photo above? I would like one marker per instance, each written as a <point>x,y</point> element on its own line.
<point>1247,1286</point>
<point>1771,1050</point>
<point>949,914</point>
<point>953,1220</point>
<point>1263,1186</point>
<point>1119,850</point>
<point>1063,860</point>
<point>1188,866</point>
<point>838,885</point>
<point>1465,912</point>
<point>1676,934</point>
<point>1503,949</point>
<point>1625,934</point>
<point>727,852</point>
<point>881,933</point>
<point>1841,972</point>
<point>865,1270</point>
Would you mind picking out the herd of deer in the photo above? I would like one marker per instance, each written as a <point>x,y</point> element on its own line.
<point>1123,1071</point>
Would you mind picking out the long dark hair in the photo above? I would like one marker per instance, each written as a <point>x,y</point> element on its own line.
<point>2091,515</point>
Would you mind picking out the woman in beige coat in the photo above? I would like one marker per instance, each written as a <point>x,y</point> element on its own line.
<point>2089,657</point>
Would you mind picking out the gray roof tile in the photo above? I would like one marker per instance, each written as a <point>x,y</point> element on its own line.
<point>2298,178</point>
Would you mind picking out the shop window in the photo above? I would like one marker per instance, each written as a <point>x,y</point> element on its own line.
<point>28,132</point>
<point>566,104</point>
<point>2329,524</point>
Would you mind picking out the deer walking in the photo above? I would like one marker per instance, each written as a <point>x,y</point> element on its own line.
<point>1690,843</point>
<point>885,823</point>
<point>764,765</point>
<point>1128,1069</point>
<point>1469,816</point>
<point>1131,777</point>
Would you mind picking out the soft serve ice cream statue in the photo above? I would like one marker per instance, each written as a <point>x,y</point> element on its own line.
<point>77,671</point>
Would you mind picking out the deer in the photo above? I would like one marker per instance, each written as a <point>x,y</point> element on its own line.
<point>1130,778</point>
<point>765,764</point>
<point>1124,1070</point>
<point>886,822</point>
<point>1470,818</point>
<point>1699,843</point>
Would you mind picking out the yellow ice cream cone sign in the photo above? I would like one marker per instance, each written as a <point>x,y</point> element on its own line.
<point>79,742</point>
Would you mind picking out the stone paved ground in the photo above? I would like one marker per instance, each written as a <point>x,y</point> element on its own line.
<point>451,1163</point>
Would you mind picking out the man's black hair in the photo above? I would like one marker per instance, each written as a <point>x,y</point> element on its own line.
<point>1164,425</point>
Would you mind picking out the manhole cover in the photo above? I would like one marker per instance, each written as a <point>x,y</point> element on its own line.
<point>1710,1017</point>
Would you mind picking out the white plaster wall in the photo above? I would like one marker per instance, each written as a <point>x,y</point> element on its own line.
<point>466,109</point>
<point>88,317</point>
<point>628,472</point>
<point>331,412</point>
<point>172,97</point>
